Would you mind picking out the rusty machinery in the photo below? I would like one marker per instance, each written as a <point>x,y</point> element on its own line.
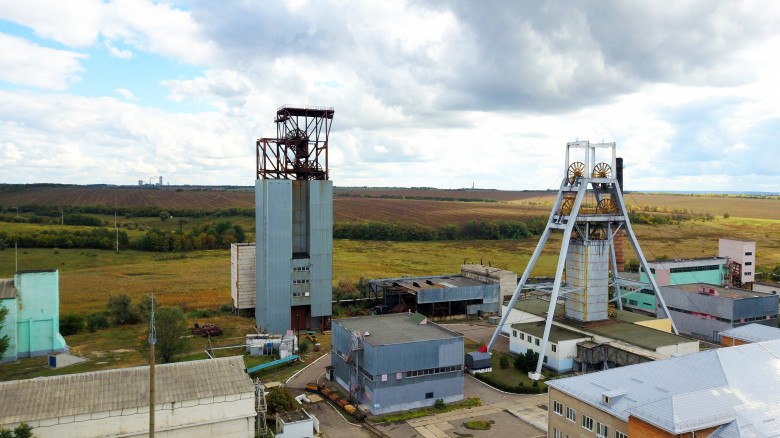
<point>300,149</point>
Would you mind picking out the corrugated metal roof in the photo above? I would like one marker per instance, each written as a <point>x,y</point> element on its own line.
<point>100,391</point>
<point>557,333</point>
<point>739,385</point>
<point>7,289</point>
<point>753,333</point>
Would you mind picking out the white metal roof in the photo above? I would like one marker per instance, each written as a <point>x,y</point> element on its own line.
<point>753,333</point>
<point>101,391</point>
<point>739,385</point>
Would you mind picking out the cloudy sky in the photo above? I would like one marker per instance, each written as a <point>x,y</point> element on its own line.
<point>439,94</point>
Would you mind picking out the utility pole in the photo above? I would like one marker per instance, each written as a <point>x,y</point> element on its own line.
<point>63,216</point>
<point>152,359</point>
<point>117,233</point>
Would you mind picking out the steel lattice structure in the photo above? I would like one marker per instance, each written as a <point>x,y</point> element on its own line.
<point>300,149</point>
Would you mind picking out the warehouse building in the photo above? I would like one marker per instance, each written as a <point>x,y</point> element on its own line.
<point>670,398</point>
<point>747,334</point>
<point>397,362</point>
<point>33,320</point>
<point>204,398</point>
<point>703,310</point>
<point>625,338</point>
<point>475,292</point>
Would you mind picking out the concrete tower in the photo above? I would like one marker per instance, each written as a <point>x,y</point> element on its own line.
<point>294,223</point>
<point>589,211</point>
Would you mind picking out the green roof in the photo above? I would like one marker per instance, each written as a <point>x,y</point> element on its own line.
<point>557,333</point>
<point>622,328</point>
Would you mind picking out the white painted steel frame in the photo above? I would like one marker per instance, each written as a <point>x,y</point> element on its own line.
<point>583,183</point>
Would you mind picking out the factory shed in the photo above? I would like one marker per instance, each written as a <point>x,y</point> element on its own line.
<point>33,320</point>
<point>561,347</point>
<point>397,362</point>
<point>473,293</point>
<point>204,398</point>
<point>747,334</point>
<point>704,310</point>
<point>726,392</point>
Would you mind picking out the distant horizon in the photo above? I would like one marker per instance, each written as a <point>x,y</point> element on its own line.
<point>475,189</point>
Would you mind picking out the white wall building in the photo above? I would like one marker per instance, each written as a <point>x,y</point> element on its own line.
<point>561,347</point>
<point>198,399</point>
<point>296,424</point>
<point>743,253</point>
<point>243,278</point>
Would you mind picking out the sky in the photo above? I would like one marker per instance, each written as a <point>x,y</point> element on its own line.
<point>445,94</point>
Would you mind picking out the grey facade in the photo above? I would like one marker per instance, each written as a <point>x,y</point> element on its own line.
<point>294,254</point>
<point>704,310</point>
<point>401,362</point>
<point>439,296</point>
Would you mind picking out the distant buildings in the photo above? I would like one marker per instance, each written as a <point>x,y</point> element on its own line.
<point>199,399</point>
<point>33,321</point>
<point>747,334</point>
<point>727,392</point>
<point>397,362</point>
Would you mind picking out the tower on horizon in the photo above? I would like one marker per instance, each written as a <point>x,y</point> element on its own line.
<point>294,223</point>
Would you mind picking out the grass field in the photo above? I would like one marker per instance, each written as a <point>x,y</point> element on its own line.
<point>200,279</point>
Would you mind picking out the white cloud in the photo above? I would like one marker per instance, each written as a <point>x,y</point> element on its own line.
<point>127,94</point>
<point>119,53</point>
<point>25,63</point>
<point>9,154</point>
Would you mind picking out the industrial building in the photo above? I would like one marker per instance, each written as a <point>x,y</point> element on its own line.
<point>590,212</point>
<point>742,261</point>
<point>294,223</point>
<point>243,284</point>
<point>747,334</point>
<point>703,310</point>
<point>397,362</point>
<point>33,320</point>
<point>475,292</point>
<point>203,398</point>
<point>727,392</point>
<point>625,338</point>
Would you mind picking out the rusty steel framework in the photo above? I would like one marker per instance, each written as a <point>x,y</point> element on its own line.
<point>300,149</point>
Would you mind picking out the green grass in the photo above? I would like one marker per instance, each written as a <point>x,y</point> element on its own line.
<point>470,402</point>
<point>478,424</point>
<point>509,376</point>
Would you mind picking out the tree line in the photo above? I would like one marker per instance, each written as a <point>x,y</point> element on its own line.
<point>55,211</point>
<point>209,236</point>
<point>471,230</point>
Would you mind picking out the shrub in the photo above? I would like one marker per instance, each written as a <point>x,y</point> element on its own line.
<point>478,424</point>
<point>200,313</point>
<point>71,324</point>
<point>97,321</point>
<point>122,311</point>
<point>303,347</point>
<point>225,308</point>
<point>504,362</point>
<point>439,404</point>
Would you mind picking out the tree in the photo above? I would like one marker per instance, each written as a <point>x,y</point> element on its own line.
<point>527,362</point>
<point>5,340</point>
<point>71,324</point>
<point>122,310</point>
<point>171,328</point>
<point>504,362</point>
<point>279,399</point>
<point>97,321</point>
<point>21,431</point>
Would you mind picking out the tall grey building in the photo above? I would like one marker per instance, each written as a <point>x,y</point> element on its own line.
<point>294,223</point>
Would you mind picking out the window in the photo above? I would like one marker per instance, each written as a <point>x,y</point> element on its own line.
<point>301,269</point>
<point>619,434</point>
<point>587,422</point>
<point>632,302</point>
<point>557,433</point>
<point>554,347</point>
<point>300,282</point>
<point>571,414</point>
<point>557,407</point>
<point>522,336</point>
<point>749,253</point>
<point>536,341</point>
<point>514,333</point>
<point>748,263</point>
<point>428,395</point>
<point>747,273</point>
<point>601,430</point>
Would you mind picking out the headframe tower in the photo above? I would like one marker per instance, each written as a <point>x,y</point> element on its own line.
<point>294,222</point>
<point>589,210</point>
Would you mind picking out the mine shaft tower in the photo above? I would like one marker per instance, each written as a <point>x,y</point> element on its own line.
<point>294,222</point>
<point>590,211</point>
